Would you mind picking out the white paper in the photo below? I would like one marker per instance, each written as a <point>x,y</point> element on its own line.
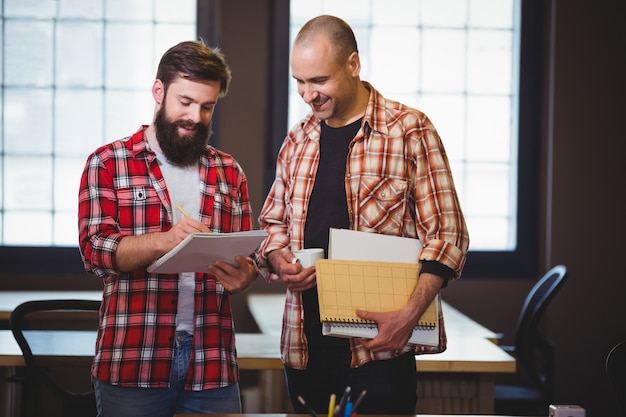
<point>363,246</point>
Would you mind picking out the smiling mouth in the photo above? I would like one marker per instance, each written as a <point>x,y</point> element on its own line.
<point>187,129</point>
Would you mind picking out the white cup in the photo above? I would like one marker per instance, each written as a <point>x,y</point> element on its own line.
<point>307,257</point>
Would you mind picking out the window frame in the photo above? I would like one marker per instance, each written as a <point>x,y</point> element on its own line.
<point>521,262</point>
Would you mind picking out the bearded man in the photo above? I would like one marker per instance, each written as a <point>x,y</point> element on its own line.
<point>166,342</point>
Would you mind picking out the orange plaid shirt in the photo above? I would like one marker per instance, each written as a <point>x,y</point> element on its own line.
<point>398,182</point>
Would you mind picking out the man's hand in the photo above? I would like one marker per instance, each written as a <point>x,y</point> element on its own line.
<point>395,327</point>
<point>139,251</point>
<point>234,279</point>
<point>292,274</point>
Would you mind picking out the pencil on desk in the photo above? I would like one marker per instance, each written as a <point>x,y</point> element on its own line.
<point>331,405</point>
<point>312,411</point>
<point>358,400</point>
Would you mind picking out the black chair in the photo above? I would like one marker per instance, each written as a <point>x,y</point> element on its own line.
<point>33,316</point>
<point>533,389</point>
<point>616,372</point>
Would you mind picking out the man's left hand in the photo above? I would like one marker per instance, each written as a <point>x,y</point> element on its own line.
<point>234,278</point>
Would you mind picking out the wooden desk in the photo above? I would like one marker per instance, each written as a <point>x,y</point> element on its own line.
<point>459,380</point>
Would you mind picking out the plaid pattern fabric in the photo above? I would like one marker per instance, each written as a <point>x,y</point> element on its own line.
<point>122,192</point>
<point>398,182</point>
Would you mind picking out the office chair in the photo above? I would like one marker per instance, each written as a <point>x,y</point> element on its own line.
<point>616,372</point>
<point>38,375</point>
<point>533,391</point>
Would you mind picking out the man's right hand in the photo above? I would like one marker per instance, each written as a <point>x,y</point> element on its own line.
<point>292,274</point>
<point>140,251</point>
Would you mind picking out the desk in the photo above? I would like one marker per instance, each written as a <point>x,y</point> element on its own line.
<point>459,380</point>
<point>308,415</point>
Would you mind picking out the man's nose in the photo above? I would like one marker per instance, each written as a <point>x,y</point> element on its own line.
<point>194,113</point>
<point>309,94</point>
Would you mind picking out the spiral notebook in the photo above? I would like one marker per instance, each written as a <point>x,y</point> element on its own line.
<point>345,285</point>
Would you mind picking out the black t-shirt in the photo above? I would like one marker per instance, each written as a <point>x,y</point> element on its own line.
<point>328,207</point>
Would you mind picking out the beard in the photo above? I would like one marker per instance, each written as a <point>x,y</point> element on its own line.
<point>184,150</point>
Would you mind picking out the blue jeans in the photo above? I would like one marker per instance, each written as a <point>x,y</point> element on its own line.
<point>118,401</point>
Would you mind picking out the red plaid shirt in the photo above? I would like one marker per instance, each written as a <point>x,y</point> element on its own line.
<point>122,193</point>
<point>398,182</point>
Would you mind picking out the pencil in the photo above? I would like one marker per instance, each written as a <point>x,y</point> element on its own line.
<point>312,411</point>
<point>182,210</point>
<point>331,405</point>
<point>358,400</point>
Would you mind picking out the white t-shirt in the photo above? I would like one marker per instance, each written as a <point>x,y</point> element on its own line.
<point>183,186</point>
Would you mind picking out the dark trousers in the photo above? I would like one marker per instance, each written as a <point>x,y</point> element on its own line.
<point>391,384</point>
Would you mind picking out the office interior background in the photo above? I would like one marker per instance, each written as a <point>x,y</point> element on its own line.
<point>579,179</point>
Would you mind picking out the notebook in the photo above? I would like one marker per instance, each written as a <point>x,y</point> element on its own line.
<point>198,250</point>
<point>345,285</point>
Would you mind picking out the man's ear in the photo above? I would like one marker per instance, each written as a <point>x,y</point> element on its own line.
<point>158,91</point>
<point>354,63</point>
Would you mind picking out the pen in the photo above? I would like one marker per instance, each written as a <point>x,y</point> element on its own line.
<point>348,411</point>
<point>182,210</point>
<point>358,401</point>
<point>344,398</point>
<point>312,411</point>
<point>331,405</point>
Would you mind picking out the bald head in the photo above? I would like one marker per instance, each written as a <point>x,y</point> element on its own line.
<point>338,33</point>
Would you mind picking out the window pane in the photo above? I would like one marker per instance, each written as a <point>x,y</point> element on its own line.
<point>125,111</point>
<point>443,61</point>
<point>86,38</point>
<point>40,9</point>
<point>33,228</point>
<point>138,50</point>
<point>180,11</point>
<point>66,180</point>
<point>385,12</point>
<point>401,46</point>
<point>27,188</point>
<point>491,14</point>
<point>78,128</point>
<point>28,53</point>
<point>28,121</point>
<point>80,9</point>
<point>489,62</point>
<point>489,129</point>
<point>446,13</point>
<point>65,232</point>
<point>129,10</point>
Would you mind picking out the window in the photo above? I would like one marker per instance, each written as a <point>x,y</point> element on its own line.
<point>75,75</point>
<point>459,61</point>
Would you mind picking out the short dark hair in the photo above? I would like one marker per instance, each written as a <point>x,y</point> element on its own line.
<point>195,61</point>
<point>336,30</point>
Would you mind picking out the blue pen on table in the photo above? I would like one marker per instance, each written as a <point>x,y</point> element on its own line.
<point>312,411</point>
<point>348,411</point>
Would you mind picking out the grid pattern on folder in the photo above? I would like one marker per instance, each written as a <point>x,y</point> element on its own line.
<point>344,286</point>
